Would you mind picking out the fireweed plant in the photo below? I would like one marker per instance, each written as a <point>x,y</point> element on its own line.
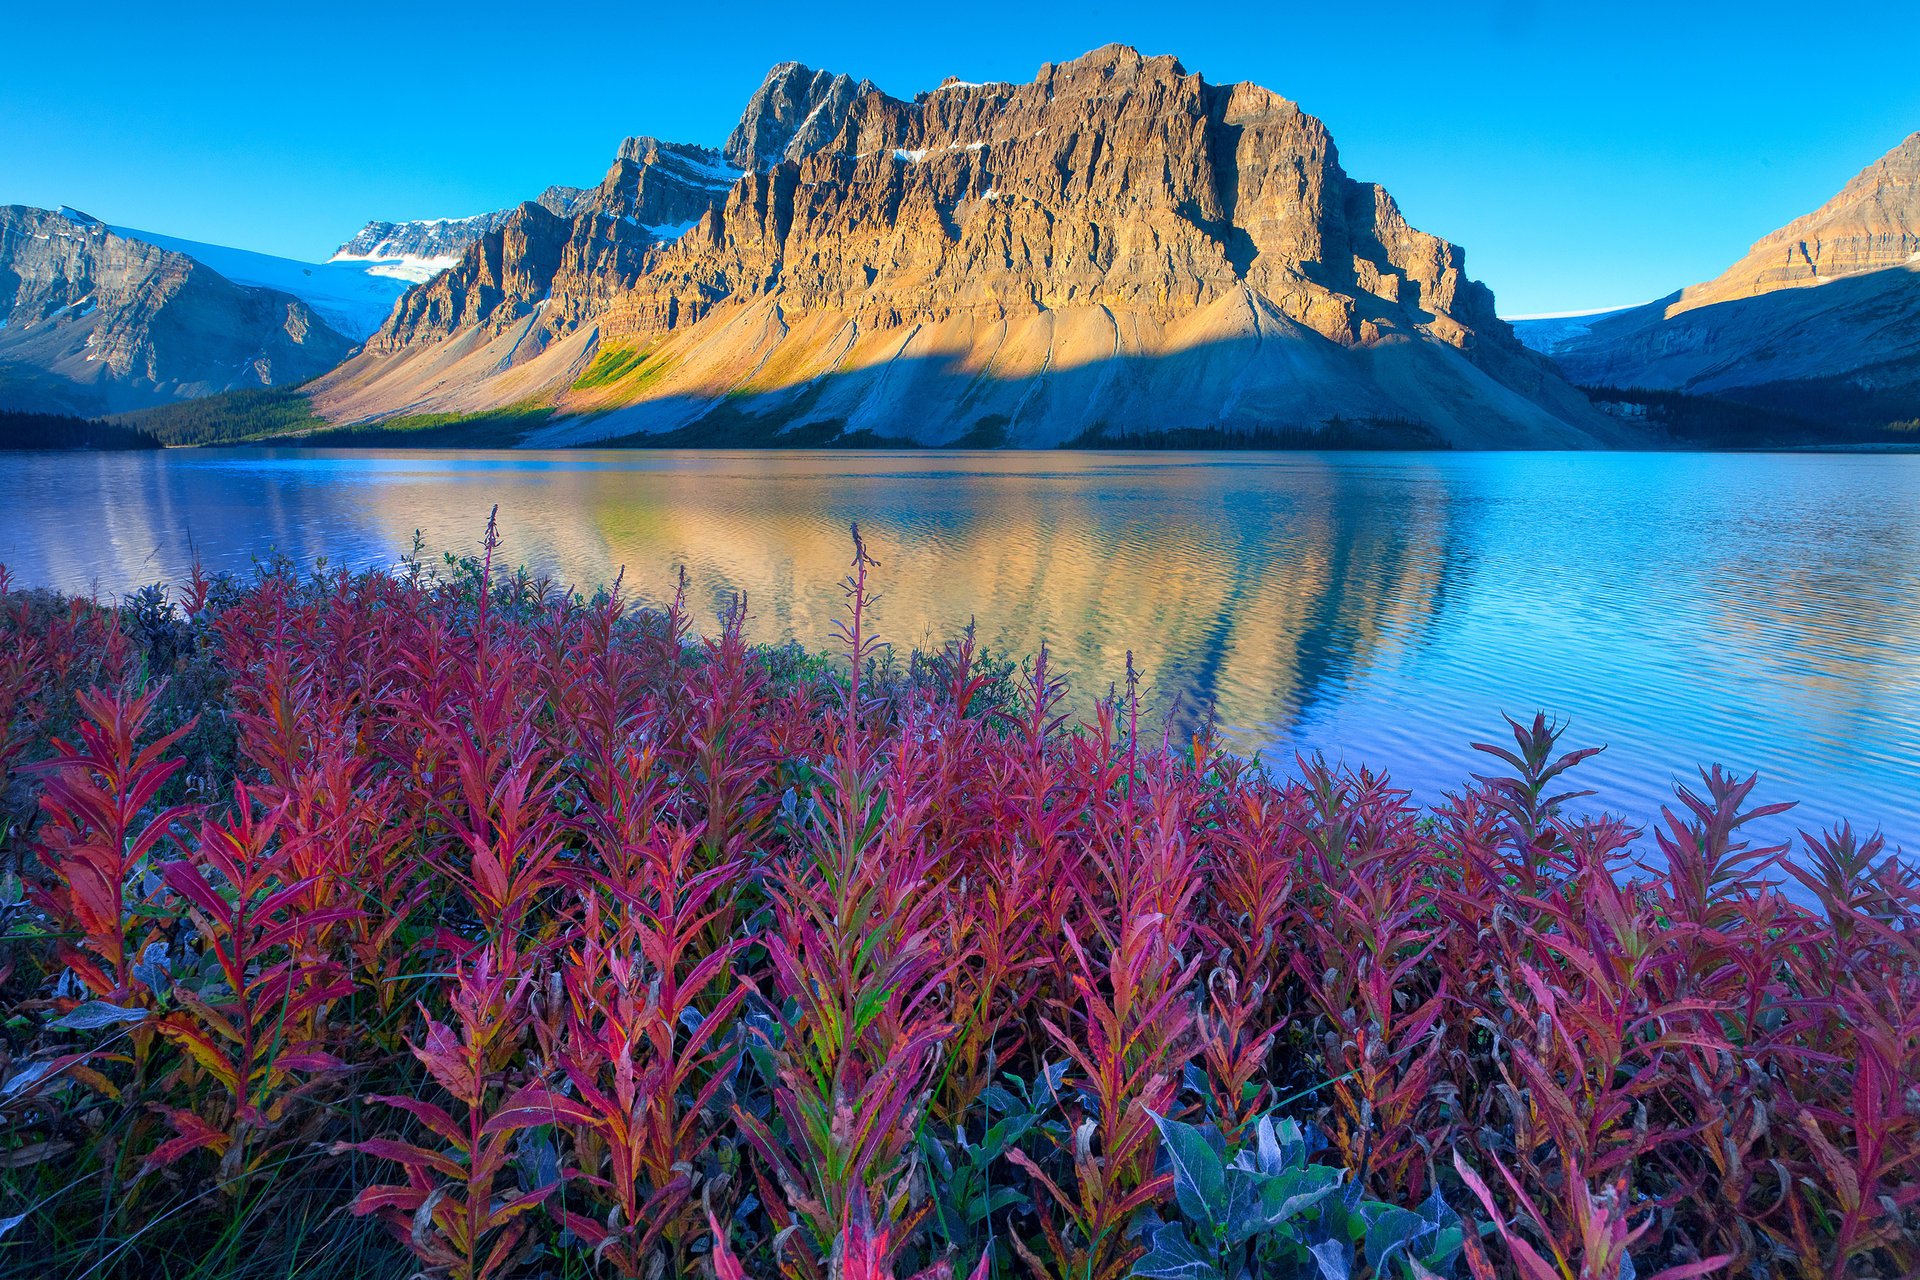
<point>441,921</point>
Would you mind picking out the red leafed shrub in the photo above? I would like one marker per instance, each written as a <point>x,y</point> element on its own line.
<point>450,923</point>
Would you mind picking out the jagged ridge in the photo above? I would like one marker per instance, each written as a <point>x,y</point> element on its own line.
<point>1198,243</point>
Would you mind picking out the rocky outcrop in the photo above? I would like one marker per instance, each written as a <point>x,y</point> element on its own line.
<point>92,321</point>
<point>1872,225</point>
<point>421,249</point>
<point>1117,245</point>
<point>1821,319</point>
<point>540,271</point>
<point>795,112</point>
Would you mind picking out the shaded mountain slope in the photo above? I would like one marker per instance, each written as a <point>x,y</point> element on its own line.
<point>1820,318</point>
<point>92,321</point>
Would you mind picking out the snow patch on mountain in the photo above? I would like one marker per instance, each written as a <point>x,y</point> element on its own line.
<point>413,268</point>
<point>347,295</point>
<point>1547,332</point>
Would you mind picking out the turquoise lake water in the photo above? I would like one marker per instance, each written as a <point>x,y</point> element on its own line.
<point>1757,610</point>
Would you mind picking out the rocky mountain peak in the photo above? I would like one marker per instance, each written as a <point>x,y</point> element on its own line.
<point>560,264</point>
<point>1114,64</point>
<point>795,112</point>
<point>1113,245</point>
<point>663,182</point>
<point>1845,353</point>
<point>421,249</point>
<point>1871,225</point>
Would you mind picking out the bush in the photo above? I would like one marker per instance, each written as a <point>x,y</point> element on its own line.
<point>446,920</point>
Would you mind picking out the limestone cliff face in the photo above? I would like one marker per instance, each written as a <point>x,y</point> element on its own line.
<point>92,321</point>
<point>795,112</point>
<point>1115,180</point>
<point>436,243</point>
<point>541,270</point>
<point>1871,225</point>
<point>1118,232</point>
<point>1845,353</point>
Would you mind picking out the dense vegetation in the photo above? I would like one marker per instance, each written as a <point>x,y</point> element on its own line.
<point>1780,421</point>
<point>500,429</point>
<point>442,920</point>
<point>285,416</point>
<point>615,364</point>
<point>61,431</point>
<point>229,417</point>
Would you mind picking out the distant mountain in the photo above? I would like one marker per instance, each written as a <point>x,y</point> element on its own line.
<point>1548,333</point>
<point>1820,319</point>
<point>94,321</point>
<point>1114,250</point>
<point>350,296</point>
<point>418,251</point>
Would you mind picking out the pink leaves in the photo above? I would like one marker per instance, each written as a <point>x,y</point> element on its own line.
<point>636,940</point>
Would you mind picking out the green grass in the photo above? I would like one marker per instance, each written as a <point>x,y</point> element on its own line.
<point>609,366</point>
<point>632,368</point>
<point>494,429</point>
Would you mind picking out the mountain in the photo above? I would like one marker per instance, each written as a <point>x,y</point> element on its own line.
<point>94,321</point>
<point>418,251</point>
<point>1549,333</point>
<point>1820,319</point>
<point>352,297</point>
<point>1113,250</point>
<point>795,112</point>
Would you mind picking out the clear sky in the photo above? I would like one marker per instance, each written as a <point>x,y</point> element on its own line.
<point>1585,154</point>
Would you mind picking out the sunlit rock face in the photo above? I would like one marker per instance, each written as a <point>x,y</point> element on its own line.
<point>542,268</point>
<point>1116,247</point>
<point>1871,225</point>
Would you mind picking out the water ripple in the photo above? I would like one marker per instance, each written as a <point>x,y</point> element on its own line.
<point>1761,611</point>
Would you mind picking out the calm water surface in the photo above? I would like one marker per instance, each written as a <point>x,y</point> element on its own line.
<point>1762,611</point>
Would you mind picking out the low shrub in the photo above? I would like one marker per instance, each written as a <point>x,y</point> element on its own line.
<point>445,921</point>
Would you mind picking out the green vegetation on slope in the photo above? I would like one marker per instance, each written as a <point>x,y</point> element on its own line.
<point>609,366</point>
<point>496,429</point>
<point>633,368</point>
<point>230,417</point>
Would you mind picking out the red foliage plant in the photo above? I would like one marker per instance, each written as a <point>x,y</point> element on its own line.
<point>646,948</point>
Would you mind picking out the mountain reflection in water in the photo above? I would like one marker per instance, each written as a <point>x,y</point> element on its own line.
<point>1758,610</point>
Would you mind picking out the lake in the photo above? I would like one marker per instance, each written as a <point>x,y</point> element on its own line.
<point>1758,610</point>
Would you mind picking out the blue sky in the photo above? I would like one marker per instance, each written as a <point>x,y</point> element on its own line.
<point>1585,155</point>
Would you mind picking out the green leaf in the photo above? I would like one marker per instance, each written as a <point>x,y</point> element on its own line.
<point>1199,1164</point>
<point>1335,1259</point>
<point>99,1013</point>
<point>1282,1198</point>
<point>1420,1235</point>
<point>1172,1257</point>
<point>1276,1148</point>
